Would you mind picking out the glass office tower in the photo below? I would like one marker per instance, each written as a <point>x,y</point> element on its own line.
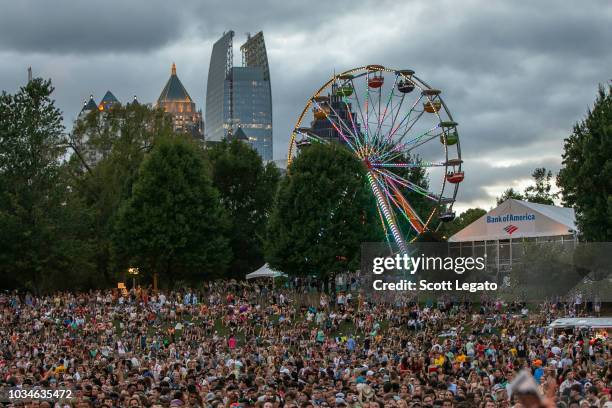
<point>240,97</point>
<point>252,108</point>
<point>218,92</point>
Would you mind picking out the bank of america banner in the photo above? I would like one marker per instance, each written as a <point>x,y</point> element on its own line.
<point>519,219</point>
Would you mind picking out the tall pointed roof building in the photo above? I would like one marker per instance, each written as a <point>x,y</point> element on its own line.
<point>175,100</point>
<point>88,106</point>
<point>174,89</point>
<point>107,101</point>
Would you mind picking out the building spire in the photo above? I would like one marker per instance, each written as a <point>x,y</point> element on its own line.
<point>173,68</point>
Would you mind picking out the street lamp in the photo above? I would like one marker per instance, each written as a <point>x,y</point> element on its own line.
<point>133,272</point>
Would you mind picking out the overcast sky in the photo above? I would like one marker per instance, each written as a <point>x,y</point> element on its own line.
<point>516,75</point>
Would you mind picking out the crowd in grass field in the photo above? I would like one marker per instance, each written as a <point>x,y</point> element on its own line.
<point>236,344</point>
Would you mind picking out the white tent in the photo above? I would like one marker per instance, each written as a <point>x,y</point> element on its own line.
<point>265,272</point>
<point>500,233</point>
<point>514,219</point>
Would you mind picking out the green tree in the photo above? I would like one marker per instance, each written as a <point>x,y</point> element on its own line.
<point>125,130</point>
<point>324,210</point>
<point>509,193</point>
<point>74,265</point>
<point>173,224</point>
<point>585,178</point>
<point>540,191</point>
<point>108,148</point>
<point>463,220</point>
<point>247,190</point>
<point>43,227</point>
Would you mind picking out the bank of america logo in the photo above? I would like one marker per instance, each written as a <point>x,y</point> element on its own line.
<point>510,229</point>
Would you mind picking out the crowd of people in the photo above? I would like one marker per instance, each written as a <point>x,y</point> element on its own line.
<point>242,345</point>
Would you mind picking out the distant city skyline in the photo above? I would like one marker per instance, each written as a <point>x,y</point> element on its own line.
<point>516,78</point>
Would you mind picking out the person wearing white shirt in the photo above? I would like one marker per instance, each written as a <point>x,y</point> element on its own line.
<point>568,382</point>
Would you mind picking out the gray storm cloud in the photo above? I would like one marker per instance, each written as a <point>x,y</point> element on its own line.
<point>516,74</point>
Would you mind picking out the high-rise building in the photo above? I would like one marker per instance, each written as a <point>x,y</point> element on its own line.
<point>175,100</point>
<point>218,95</point>
<point>240,97</point>
<point>254,53</point>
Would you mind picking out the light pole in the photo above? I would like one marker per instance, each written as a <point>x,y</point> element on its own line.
<point>133,272</point>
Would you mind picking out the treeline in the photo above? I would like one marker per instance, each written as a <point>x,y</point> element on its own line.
<point>122,190</point>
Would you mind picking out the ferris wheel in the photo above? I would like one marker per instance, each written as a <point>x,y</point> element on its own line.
<point>397,126</point>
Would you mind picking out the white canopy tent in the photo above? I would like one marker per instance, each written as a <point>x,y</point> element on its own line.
<point>265,272</point>
<point>514,219</point>
<point>500,233</point>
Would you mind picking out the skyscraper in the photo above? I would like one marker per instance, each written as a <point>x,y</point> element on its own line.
<point>218,93</point>
<point>240,97</point>
<point>175,100</point>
